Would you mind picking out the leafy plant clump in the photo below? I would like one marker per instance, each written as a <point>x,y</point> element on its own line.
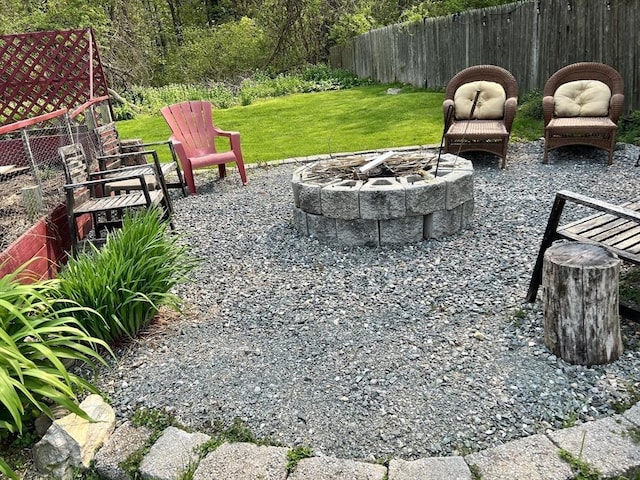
<point>259,85</point>
<point>630,285</point>
<point>126,282</point>
<point>38,334</point>
<point>295,455</point>
<point>581,469</point>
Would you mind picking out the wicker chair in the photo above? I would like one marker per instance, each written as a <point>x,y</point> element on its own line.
<point>582,124</point>
<point>483,125</point>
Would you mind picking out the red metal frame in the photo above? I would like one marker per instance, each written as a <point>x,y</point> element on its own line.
<point>45,71</point>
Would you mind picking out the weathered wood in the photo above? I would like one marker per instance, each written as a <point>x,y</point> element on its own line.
<point>531,39</point>
<point>580,303</point>
<point>616,227</point>
<point>32,201</point>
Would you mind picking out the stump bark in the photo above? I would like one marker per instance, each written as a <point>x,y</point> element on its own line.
<point>580,303</point>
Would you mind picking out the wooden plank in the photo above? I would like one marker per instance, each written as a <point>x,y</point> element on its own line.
<point>622,231</point>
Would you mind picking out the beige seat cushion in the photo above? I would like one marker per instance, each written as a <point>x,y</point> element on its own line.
<point>582,98</point>
<point>490,104</point>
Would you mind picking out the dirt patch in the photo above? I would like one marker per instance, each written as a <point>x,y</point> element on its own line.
<point>15,219</point>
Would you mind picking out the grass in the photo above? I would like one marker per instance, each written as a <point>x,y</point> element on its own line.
<point>360,118</point>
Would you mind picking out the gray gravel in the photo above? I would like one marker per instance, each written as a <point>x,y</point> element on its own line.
<point>409,351</point>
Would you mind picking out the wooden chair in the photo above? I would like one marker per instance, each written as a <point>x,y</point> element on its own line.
<point>479,108</point>
<point>615,227</point>
<point>581,106</point>
<point>194,135</point>
<point>85,196</point>
<point>114,153</point>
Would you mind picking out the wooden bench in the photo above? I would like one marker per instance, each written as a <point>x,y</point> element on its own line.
<point>615,227</point>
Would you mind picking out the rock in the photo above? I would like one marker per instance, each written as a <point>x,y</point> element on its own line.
<point>328,468</point>
<point>72,441</point>
<point>243,461</point>
<point>172,454</point>
<point>57,453</point>
<point>126,440</point>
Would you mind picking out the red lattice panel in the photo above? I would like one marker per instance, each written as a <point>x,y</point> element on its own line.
<point>41,72</point>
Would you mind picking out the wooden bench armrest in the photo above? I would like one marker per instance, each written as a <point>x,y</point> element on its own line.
<point>617,210</point>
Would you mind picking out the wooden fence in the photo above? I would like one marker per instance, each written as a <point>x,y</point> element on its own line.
<point>531,39</point>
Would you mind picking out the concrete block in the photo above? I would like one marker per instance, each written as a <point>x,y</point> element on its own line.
<point>530,458</point>
<point>125,440</point>
<point>358,232</point>
<point>322,227</point>
<point>459,187</point>
<point>296,180</point>
<point>467,213</point>
<point>401,230</point>
<point>424,196</point>
<point>341,200</point>
<point>382,199</point>
<point>605,444</point>
<point>330,468</point>
<point>309,198</point>
<point>243,461</point>
<point>172,454</point>
<point>435,468</point>
<point>444,223</point>
<point>633,414</point>
<point>300,221</point>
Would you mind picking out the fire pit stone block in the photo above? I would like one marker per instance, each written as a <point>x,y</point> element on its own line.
<point>443,223</point>
<point>384,210</point>
<point>321,227</point>
<point>300,221</point>
<point>358,232</point>
<point>341,200</point>
<point>309,198</point>
<point>424,196</point>
<point>382,199</point>
<point>459,188</point>
<point>401,230</point>
<point>467,213</point>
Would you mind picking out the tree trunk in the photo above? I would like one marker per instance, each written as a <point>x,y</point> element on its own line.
<point>580,303</point>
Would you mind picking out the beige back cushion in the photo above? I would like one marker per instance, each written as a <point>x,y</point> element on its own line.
<point>490,104</point>
<point>582,98</point>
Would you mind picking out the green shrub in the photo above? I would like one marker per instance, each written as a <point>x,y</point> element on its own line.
<point>127,281</point>
<point>38,334</point>
<point>531,105</point>
<point>629,128</point>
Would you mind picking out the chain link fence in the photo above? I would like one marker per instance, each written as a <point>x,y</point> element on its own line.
<point>32,176</point>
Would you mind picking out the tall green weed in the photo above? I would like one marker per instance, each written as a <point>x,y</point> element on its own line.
<point>129,279</point>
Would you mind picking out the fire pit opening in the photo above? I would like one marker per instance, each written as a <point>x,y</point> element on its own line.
<point>393,198</point>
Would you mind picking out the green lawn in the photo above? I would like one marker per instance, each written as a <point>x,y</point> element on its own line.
<point>317,123</point>
<point>350,120</point>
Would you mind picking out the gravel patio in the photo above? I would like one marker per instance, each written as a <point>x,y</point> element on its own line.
<point>411,351</point>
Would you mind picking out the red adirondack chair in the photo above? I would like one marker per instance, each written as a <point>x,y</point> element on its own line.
<point>193,137</point>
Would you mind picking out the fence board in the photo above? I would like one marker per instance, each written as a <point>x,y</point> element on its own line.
<point>532,39</point>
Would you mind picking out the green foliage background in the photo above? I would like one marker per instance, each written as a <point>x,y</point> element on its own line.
<point>157,42</point>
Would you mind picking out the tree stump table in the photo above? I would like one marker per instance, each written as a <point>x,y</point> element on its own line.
<point>580,303</point>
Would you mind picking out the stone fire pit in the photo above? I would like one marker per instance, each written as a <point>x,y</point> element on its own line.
<point>398,202</point>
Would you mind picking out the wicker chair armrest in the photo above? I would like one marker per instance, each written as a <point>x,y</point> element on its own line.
<point>615,107</point>
<point>445,108</point>
<point>510,107</point>
<point>548,105</point>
